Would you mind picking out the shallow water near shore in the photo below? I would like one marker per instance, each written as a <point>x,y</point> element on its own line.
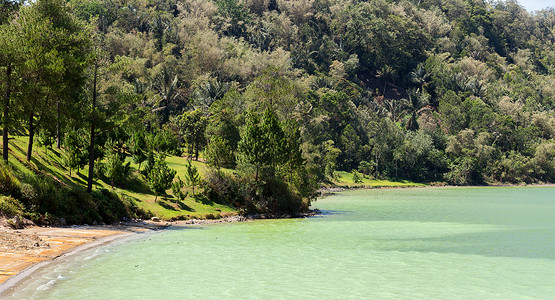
<point>435,243</point>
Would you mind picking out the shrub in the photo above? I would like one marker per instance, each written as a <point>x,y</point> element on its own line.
<point>357,178</point>
<point>10,206</point>
<point>116,169</point>
<point>365,167</point>
<point>9,185</point>
<point>222,188</point>
<point>192,176</point>
<point>29,194</point>
<point>177,189</point>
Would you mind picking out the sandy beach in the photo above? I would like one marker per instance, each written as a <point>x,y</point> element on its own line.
<point>24,251</point>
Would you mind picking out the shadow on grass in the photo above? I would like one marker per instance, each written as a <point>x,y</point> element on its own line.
<point>165,204</point>
<point>184,206</point>
<point>135,184</point>
<point>203,199</point>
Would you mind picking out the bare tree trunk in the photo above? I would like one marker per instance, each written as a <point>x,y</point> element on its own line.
<point>5,140</point>
<point>31,136</point>
<point>91,147</point>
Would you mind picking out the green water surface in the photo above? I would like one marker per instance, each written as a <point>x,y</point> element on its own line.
<point>435,243</point>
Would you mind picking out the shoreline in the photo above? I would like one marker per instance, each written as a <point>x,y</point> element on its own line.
<point>11,283</point>
<point>329,190</point>
<point>37,247</point>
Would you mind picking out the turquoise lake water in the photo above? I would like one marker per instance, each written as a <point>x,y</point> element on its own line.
<point>436,243</point>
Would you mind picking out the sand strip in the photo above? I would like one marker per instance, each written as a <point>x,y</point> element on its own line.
<point>32,263</point>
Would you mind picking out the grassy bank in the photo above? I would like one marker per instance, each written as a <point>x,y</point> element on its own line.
<point>345,180</point>
<point>46,175</point>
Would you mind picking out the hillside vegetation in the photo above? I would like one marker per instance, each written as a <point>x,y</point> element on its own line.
<point>277,97</point>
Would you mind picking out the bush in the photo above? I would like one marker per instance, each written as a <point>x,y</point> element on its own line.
<point>116,169</point>
<point>177,191</point>
<point>366,168</point>
<point>10,206</point>
<point>357,178</point>
<point>222,188</point>
<point>29,194</point>
<point>9,185</point>
<point>111,208</point>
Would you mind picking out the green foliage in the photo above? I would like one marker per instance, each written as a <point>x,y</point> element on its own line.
<point>75,152</point>
<point>116,170</point>
<point>366,168</point>
<point>165,141</point>
<point>177,189</point>
<point>218,154</point>
<point>10,207</point>
<point>357,178</point>
<point>192,176</point>
<point>192,126</point>
<point>139,148</point>
<point>224,188</point>
<point>160,177</point>
<point>9,184</point>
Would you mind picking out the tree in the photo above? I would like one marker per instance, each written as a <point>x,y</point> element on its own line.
<point>192,176</point>
<point>263,143</point>
<point>293,152</point>
<point>54,46</point>
<point>253,146</point>
<point>160,177</point>
<point>274,134</point>
<point>417,105</point>
<point>8,57</point>
<point>93,121</point>
<point>138,148</point>
<point>177,189</point>
<point>74,151</point>
<point>116,168</point>
<point>192,126</point>
<point>218,153</point>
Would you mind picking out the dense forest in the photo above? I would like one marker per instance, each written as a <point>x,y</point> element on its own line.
<point>276,96</point>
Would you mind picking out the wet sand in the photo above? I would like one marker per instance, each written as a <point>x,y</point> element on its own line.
<point>24,251</point>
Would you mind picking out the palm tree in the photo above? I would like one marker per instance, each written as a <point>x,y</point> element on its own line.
<point>417,104</point>
<point>208,92</point>
<point>386,72</point>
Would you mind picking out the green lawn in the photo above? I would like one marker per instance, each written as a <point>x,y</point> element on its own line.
<point>345,179</point>
<point>136,187</point>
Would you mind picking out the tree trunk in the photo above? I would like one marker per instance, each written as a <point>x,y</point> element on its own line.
<point>6,111</point>
<point>91,147</point>
<point>31,136</point>
<point>58,133</point>
<point>196,150</point>
<point>384,86</point>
